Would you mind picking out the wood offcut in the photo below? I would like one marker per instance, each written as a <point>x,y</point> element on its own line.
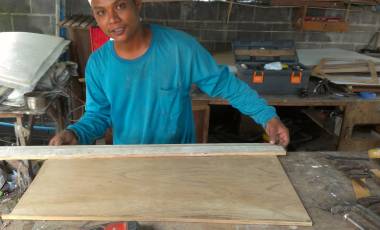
<point>132,151</point>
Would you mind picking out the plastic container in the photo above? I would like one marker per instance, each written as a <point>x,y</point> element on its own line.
<point>251,58</point>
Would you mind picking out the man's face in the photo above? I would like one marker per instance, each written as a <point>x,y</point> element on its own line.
<point>119,19</point>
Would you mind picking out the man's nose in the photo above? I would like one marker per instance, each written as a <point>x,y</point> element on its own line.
<point>113,17</point>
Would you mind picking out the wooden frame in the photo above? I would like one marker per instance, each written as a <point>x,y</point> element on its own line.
<point>304,23</point>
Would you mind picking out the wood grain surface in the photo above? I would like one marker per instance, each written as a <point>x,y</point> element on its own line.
<point>223,189</point>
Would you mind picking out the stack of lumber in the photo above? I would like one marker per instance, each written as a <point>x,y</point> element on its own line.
<point>78,22</point>
<point>348,69</point>
<point>355,75</point>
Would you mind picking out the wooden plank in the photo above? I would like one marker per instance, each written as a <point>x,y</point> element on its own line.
<point>351,80</point>
<point>374,153</point>
<point>10,115</point>
<point>365,2</point>
<point>326,4</point>
<point>61,23</point>
<point>360,188</point>
<point>312,57</point>
<point>226,190</point>
<point>87,22</point>
<point>376,173</point>
<point>333,26</point>
<point>72,20</point>
<point>79,21</point>
<point>336,71</point>
<point>265,52</point>
<point>372,70</point>
<point>364,88</point>
<point>352,69</point>
<point>130,151</point>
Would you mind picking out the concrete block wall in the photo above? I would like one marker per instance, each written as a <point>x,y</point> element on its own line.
<point>36,16</point>
<point>208,22</point>
<point>205,20</point>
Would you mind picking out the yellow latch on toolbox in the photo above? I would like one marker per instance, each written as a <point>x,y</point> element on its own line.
<point>258,77</point>
<point>296,78</point>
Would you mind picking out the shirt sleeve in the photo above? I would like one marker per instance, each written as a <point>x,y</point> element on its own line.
<point>217,81</point>
<point>96,119</point>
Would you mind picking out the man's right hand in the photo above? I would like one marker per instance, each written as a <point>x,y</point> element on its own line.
<point>66,137</point>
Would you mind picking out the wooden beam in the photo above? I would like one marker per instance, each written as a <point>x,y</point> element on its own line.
<point>133,151</point>
<point>323,4</point>
<point>360,188</point>
<point>265,52</point>
<point>374,153</point>
<point>229,11</point>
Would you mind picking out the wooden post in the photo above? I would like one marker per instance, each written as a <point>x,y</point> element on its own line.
<point>229,11</point>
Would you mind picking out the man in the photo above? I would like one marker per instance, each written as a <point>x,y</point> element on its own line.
<point>139,84</point>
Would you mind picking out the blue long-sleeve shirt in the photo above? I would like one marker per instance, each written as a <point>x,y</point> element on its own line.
<point>147,100</point>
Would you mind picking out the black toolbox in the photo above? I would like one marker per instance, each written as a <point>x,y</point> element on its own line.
<point>251,57</point>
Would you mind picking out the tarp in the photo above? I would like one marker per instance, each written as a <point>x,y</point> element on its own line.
<point>25,57</point>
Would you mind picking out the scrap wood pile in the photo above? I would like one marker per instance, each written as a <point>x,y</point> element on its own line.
<point>364,173</point>
<point>355,75</point>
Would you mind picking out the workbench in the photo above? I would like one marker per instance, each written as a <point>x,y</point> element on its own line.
<point>315,178</point>
<point>25,118</point>
<point>356,111</point>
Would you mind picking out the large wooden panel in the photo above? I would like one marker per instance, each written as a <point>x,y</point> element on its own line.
<point>233,189</point>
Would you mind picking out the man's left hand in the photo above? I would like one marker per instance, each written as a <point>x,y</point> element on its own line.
<point>277,132</point>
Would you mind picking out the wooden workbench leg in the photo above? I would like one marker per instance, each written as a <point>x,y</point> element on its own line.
<point>60,117</point>
<point>206,122</point>
<point>30,128</point>
<point>359,113</point>
<point>201,112</point>
<point>57,116</point>
<point>20,138</point>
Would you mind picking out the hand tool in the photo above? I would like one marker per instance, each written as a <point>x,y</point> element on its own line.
<point>130,225</point>
<point>359,216</point>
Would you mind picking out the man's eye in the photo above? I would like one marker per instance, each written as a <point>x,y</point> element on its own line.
<point>121,6</point>
<point>99,13</point>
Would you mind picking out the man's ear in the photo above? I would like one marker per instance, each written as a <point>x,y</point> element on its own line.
<point>138,4</point>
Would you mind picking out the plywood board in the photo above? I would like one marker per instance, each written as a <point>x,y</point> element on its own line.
<point>352,80</point>
<point>132,151</point>
<point>232,189</point>
<point>312,57</point>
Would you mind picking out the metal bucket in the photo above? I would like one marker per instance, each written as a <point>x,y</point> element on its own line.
<point>36,101</point>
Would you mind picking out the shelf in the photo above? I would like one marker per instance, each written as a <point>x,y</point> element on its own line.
<point>321,120</point>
